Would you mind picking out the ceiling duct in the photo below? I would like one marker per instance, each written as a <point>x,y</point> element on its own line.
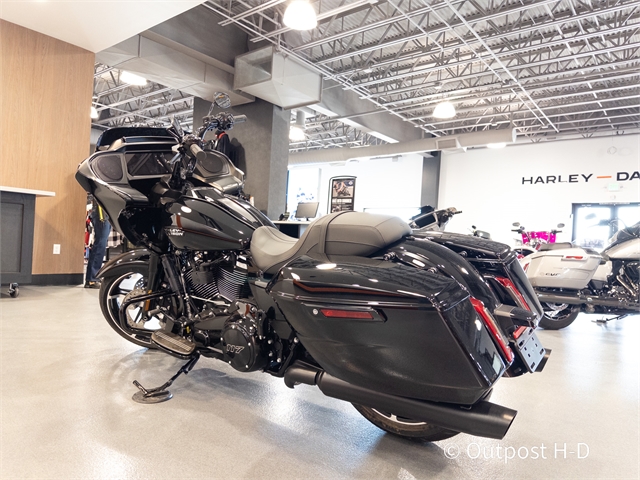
<point>447,143</point>
<point>277,78</point>
<point>465,140</point>
<point>174,66</point>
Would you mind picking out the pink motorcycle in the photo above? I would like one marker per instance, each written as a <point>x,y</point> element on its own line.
<point>532,241</point>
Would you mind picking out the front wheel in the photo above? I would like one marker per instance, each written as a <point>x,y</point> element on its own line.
<point>405,427</point>
<point>557,316</point>
<point>119,285</point>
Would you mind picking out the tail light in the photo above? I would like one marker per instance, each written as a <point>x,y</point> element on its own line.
<point>354,314</point>
<point>493,328</point>
<point>513,291</point>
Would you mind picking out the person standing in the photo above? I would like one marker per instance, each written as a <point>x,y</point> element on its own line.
<point>101,230</point>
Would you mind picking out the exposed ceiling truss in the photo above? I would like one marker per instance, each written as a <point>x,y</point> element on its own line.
<point>120,104</point>
<point>549,68</point>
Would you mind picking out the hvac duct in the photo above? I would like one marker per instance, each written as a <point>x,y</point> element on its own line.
<point>277,78</point>
<point>174,66</point>
<point>465,140</point>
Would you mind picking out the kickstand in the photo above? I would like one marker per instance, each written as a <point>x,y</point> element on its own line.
<point>161,394</point>
<point>607,320</point>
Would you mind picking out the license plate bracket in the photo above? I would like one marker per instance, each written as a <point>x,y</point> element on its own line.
<point>530,350</point>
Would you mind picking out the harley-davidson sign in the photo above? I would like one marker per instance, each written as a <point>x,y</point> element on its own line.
<point>580,178</point>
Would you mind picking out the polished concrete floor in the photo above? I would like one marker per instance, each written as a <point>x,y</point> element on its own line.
<point>67,412</point>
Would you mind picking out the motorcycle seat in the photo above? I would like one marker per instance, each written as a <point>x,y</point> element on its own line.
<point>344,233</point>
<point>545,247</point>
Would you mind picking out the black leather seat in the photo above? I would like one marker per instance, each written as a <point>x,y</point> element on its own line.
<point>343,233</point>
<point>545,247</point>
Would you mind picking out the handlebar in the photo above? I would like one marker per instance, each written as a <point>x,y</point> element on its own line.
<point>197,152</point>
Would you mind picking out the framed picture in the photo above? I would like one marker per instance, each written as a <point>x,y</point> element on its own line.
<point>342,194</point>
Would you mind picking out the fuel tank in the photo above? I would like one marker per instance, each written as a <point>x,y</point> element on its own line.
<point>206,219</point>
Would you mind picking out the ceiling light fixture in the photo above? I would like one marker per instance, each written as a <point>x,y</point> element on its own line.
<point>296,132</point>
<point>94,113</point>
<point>300,15</point>
<point>496,145</point>
<point>132,79</point>
<point>444,110</point>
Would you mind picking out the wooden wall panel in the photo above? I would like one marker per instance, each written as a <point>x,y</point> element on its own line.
<point>45,98</point>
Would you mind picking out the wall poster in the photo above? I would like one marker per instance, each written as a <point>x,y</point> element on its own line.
<point>342,194</point>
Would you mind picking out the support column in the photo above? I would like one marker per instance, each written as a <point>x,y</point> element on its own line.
<point>430,179</point>
<point>264,145</point>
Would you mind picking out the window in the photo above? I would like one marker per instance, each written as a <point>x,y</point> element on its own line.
<point>595,224</point>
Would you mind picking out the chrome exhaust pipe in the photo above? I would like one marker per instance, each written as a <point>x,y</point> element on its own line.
<point>585,299</point>
<point>483,419</point>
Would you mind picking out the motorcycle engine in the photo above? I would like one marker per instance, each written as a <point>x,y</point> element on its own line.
<point>210,276</point>
<point>242,342</point>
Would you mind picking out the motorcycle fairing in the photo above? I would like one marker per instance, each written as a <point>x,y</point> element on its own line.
<point>109,136</point>
<point>456,361</point>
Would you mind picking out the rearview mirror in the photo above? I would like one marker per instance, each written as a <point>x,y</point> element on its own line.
<point>516,224</point>
<point>560,225</point>
<point>222,100</point>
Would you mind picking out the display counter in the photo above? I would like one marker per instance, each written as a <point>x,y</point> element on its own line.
<point>17,212</point>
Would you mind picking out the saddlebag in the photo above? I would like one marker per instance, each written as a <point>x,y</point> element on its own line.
<point>389,327</point>
<point>568,268</point>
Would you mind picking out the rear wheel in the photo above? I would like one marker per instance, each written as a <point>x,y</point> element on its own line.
<point>405,427</point>
<point>121,284</point>
<point>558,315</point>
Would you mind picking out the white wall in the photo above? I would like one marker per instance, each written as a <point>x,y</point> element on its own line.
<point>380,184</point>
<point>487,184</point>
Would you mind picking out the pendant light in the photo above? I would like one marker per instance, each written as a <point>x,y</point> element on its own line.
<point>444,110</point>
<point>300,15</point>
<point>296,132</point>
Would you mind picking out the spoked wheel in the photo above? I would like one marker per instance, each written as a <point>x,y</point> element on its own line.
<point>558,315</point>
<point>122,285</point>
<point>405,427</point>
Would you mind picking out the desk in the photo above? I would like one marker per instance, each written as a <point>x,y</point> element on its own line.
<point>17,212</point>
<point>293,229</point>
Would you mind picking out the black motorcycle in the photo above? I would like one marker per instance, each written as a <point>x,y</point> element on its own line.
<point>414,329</point>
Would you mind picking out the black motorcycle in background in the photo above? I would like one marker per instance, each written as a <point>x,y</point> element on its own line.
<point>413,328</point>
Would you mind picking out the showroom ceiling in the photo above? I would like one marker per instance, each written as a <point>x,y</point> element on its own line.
<point>551,69</point>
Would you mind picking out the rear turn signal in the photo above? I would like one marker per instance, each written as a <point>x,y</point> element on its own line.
<point>518,332</point>
<point>333,313</point>
<point>513,291</point>
<point>494,330</point>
